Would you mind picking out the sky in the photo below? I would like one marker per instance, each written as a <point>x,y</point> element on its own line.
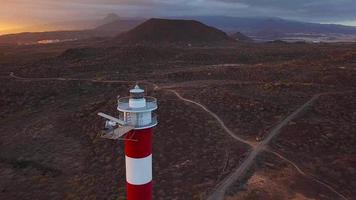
<point>16,15</point>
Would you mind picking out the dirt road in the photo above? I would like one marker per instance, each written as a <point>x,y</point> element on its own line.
<point>242,169</point>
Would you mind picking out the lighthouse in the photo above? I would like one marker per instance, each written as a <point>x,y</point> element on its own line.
<point>134,125</point>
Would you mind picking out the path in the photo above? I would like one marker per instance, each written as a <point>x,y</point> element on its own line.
<point>242,169</point>
<point>218,119</point>
<point>12,75</point>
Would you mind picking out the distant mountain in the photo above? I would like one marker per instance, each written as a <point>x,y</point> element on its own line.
<point>240,37</point>
<point>118,26</point>
<point>244,24</point>
<point>267,28</point>
<point>111,17</point>
<point>158,31</point>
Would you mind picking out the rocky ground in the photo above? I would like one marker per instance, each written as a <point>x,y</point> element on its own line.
<point>49,144</point>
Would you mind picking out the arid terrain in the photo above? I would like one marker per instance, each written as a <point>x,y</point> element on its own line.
<point>247,120</point>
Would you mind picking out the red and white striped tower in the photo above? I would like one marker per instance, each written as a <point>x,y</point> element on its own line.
<point>137,112</point>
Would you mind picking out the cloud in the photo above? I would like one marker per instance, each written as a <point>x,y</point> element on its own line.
<point>310,10</point>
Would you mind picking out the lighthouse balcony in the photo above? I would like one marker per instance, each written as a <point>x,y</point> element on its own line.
<point>148,104</point>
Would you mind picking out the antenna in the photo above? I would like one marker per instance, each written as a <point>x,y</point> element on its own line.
<point>110,118</point>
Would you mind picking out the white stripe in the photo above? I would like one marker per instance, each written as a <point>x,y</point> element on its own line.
<point>138,170</point>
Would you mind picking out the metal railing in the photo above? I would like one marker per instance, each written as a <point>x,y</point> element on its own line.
<point>129,122</point>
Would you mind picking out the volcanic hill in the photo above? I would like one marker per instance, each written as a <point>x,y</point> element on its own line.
<point>159,31</point>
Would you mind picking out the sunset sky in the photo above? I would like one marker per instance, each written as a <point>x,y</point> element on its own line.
<point>29,15</point>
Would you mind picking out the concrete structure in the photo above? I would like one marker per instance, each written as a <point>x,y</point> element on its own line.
<point>135,123</point>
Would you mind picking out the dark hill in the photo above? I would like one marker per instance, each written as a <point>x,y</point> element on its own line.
<point>160,31</point>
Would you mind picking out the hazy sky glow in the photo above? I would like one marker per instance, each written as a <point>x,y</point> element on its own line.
<point>15,14</point>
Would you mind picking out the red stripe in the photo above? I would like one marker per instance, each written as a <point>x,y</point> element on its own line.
<point>139,192</point>
<point>142,146</point>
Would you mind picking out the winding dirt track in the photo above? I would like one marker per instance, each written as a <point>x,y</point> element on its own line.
<point>220,190</point>
<point>222,124</point>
